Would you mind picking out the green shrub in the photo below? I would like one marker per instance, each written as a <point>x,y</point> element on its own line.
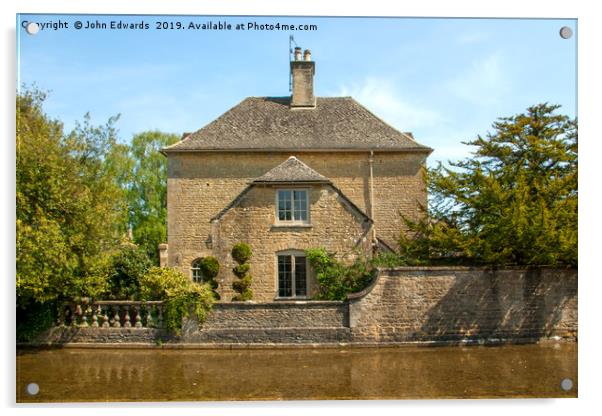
<point>335,279</point>
<point>209,267</point>
<point>241,269</point>
<point>387,259</point>
<point>34,320</point>
<point>241,253</point>
<point>126,268</point>
<point>180,296</point>
<point>242,284</point>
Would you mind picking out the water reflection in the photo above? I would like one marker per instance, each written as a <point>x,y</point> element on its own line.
<point>294,374</point>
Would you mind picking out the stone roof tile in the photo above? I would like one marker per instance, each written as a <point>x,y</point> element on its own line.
<point>291,170</point>
<point>269,123</point>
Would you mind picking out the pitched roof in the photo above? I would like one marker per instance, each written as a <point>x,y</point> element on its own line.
<point>269,123</point>
<point>291,170</point>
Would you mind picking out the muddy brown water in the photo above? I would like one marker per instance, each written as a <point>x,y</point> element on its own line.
<point>92,375</point>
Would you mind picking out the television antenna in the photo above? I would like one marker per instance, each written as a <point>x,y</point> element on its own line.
<point>291,41</point>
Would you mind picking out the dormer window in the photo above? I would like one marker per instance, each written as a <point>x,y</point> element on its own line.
<point>292,206</point>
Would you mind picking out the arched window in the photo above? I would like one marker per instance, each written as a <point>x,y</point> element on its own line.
<point>197,275</point>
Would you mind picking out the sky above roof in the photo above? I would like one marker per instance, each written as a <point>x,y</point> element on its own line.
<point>444,80</point>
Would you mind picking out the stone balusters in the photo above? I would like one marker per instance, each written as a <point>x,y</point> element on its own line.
<point>105,317</point>
<point>150,323</point>
<point>127,323</point>
<point>95,313</point>
<point>137,318</point>
<point>116,321</point>
<point>112,314</point>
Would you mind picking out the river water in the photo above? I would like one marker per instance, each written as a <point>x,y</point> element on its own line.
<point>91,375</point>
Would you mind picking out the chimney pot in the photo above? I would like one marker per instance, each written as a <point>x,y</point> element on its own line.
<point>297,53</point>
<point>307,55</point>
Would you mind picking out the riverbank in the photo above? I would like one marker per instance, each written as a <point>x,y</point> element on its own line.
<point>255,346</point>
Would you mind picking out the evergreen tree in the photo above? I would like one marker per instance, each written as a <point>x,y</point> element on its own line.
<point>514,202</point>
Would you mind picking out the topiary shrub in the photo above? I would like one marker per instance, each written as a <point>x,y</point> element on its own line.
<point>241,253</point>
<point>210,268</point>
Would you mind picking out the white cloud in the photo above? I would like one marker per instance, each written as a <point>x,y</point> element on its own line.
<point>384,99</point>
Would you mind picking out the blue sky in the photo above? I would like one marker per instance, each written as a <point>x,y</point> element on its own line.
<point>445,80</point>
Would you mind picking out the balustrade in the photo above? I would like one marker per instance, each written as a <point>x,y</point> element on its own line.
<point>112,314</point>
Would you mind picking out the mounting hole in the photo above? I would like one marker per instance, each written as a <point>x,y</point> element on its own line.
<point>566,32</point>
<point>32,28</point>
<point>566,384</point>
<point>33,389</point>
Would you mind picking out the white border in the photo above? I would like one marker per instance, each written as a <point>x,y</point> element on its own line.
<point>589,280</point>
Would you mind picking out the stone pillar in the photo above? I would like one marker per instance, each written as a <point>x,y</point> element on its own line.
<point>163,255</point>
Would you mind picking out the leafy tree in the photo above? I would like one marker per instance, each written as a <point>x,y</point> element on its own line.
<point>69,207</point>
<point>147,190</point>
<point>127,266</point>
<point>514,202</point>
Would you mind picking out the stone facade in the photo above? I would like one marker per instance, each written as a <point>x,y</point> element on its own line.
<point>200,185</point>
<point>333,225</point>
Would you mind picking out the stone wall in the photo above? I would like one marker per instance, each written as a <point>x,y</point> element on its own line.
<point>200,185</point>
<point>79,335</point>
<point>275,322</point>
<point>410,304</point>
<point>446,304</point>
<point>310,314</point>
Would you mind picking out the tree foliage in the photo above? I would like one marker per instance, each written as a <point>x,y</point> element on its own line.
<point>147,190</point>
<point>513,203</point>
<point>336,279</point>
<point>128,264</point>
<point>180,296</point>
<point>69,206</point>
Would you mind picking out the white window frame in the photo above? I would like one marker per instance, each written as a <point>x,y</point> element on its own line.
<point>292,254</point>
<point>193,269</point>
<point>292,221</point>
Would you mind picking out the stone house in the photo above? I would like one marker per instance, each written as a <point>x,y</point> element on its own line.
<point>284,174</point>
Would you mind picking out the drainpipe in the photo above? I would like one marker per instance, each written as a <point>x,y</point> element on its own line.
<point>371,192</point>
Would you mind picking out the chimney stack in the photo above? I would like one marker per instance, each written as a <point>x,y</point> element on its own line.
<point>303,80</point>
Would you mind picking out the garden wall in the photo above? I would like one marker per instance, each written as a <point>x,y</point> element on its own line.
<point>447,304</point>
<point>407,304</point>
<point>274,322</point>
